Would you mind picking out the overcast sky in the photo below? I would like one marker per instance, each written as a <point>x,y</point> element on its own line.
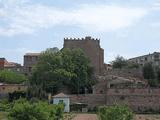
<point>126,27</point>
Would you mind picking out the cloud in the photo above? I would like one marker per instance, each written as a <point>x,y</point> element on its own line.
<point>156,5</point>
<point>16,52</point>
<point>26,18</point>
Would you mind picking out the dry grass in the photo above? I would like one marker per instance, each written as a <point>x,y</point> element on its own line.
<point>147,117</point>
<point>69,116</point>
<point>3,116</point>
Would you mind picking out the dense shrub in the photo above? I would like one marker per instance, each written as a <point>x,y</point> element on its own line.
<point>115,113</point>
<point>11,77</point>
<point>5,106</point>
<point>16,95</point>
<point>25,110</point>
<point>78,107</point>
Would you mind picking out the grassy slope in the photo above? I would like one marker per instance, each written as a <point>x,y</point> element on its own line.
<point>3,116</point>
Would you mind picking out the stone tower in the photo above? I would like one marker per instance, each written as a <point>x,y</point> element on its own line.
<point>92,49</point>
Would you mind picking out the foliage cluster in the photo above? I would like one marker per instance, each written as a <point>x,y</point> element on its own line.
<point>27,110</point>
<point>5,105</point>
<point>56,69</point>
<point>152,74</point>
<point>11,77</point>
<point>116,112</point>
<point>121,62</point>
<point>16,95</point>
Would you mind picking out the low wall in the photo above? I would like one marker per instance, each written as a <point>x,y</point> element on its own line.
<point>136,73</point>
<point>140,100</point>
<point>91,99</point>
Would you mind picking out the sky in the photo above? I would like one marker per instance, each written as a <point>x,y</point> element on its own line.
<point>128,28</point>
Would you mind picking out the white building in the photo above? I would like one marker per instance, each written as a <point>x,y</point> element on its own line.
<point>62,98</point>
<point>153,58</point>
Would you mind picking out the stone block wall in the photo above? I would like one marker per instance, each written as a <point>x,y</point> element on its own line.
<point>127,73</point>
<point>91,99</point>
<point>139,100</point>
<point>9,88</point>
<point>91,48</point>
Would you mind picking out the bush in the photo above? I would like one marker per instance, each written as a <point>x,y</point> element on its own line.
<point>16,95</point>
<point>115,113</point>
<point>5,106</point>
<point>11,77</point>
<point>25,110</point>
<point>78,107</point>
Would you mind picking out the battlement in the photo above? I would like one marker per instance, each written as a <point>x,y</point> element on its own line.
<point>80,39</point>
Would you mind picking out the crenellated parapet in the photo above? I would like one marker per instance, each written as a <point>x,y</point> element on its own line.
<point>92,49</point>
<point>80,39</point>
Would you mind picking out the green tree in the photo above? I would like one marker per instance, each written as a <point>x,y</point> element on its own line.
<point>11,77</point>
<point>25,110</point>
<point>67,67</point>
<point>157,70</point>
<point>119,62</point>
<point>149,74</point>
<point>116,112</point>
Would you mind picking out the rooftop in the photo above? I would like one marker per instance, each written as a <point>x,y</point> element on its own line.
<point>145,55</point>
<point>61,95</point>
<point>32,54</point>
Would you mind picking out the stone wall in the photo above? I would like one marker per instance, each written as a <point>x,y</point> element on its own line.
<point>139,100</point>
<point>9,88</point>
<point>133,73</point>
<point>30,59</point>
<point>92,49</point>
<point>91,99</point>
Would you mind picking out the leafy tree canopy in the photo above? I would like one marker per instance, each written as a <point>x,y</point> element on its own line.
<point>116,112</point>
<point>67,67</point>
<point>120,62</point>
<point>25,110</point>
<point>11,77</point>
<point>148,71</point>
<point>152,74</point>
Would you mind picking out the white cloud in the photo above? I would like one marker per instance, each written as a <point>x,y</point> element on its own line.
<point>156,5</point>
<point>16,52</point>
<point>25,18</point>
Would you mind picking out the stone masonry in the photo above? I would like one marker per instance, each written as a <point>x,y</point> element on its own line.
<point>139,100</point>
<point>92,49</point>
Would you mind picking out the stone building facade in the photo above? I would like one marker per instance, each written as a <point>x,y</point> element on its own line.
<point>30,59</point>
<point>92,49</point>
<point>139,100</point>
<point>153,58</point>
<point>5,89</point>
<point>11,66</point>
<point>9,88</point>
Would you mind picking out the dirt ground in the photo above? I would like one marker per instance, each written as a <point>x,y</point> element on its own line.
<point>94,117</point>
<point>147,117</point>
<point>85,117</point>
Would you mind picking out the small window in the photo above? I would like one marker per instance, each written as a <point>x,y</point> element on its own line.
<point>146,59</point>
<point>61,101</point>
<point>101,91</point>
<point>3,88</point>
<point>19,88</point>
<point>30,69</point>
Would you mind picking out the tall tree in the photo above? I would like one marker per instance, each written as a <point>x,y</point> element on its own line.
<point>119,62</point>
<point>149,74</point>
<point>158,74</point>
<point>67,67</point>
<point>148,71</point>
